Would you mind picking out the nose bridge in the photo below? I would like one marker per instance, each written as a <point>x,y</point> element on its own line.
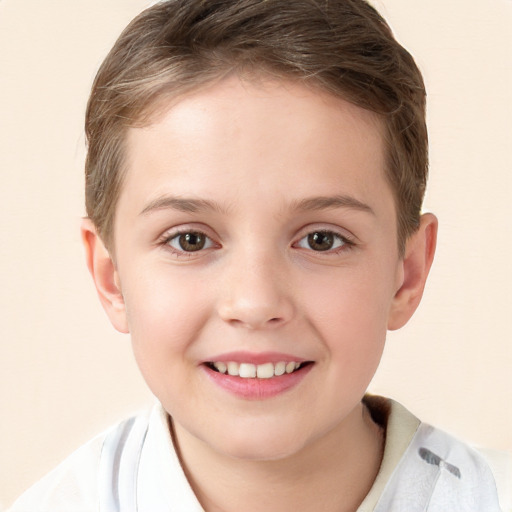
<point>255,291</point>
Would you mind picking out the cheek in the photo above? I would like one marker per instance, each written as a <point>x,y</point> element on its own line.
<point>350,312</point>
<point>352,297</point>
<point>163,300</point>
<point>165,314</point>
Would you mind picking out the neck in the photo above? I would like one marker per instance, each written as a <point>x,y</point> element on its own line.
<point>332,473</point>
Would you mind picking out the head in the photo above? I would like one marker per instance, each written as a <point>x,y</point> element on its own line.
<point>342,47</point>
<point>254,182</point>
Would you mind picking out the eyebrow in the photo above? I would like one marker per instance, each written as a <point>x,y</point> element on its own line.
<point>190,205</point>
<point>329,202</point>
<point>182,205</point>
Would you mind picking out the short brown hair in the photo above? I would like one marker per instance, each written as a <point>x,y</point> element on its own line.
<point>342,46</point>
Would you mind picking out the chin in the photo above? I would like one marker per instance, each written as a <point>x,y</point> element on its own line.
<point>261,444</point>
<point>251,451</point>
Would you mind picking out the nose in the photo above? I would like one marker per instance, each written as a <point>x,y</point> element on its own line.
<point>256,294</point>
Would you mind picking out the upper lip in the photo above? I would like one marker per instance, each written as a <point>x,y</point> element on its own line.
<point>255,357</point>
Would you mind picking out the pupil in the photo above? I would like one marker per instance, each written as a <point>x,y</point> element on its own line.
<point>321,241</point>
<point>192,241</point>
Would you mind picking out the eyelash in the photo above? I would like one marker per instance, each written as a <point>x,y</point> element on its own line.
<point>345,243</point>
<point>168,238</point>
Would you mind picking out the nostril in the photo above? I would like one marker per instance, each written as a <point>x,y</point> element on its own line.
<point>255,312</point>
<point>256,323</point>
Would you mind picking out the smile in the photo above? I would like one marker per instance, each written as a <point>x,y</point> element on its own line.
<point>256,371</point>
<point>266,376</point>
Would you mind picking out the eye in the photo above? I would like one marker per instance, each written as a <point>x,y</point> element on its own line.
<point>189,241</point>
<point>322,241</point>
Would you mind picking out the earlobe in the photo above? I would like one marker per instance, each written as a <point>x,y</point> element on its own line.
<point>105,276</point>
<point>419,254</point>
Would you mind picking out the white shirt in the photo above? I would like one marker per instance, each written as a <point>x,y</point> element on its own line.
<point>134,467</point>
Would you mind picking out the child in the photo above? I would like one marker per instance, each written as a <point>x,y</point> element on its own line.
<point>254,181</point>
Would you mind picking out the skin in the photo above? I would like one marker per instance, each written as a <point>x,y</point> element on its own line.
<point>259,153</point>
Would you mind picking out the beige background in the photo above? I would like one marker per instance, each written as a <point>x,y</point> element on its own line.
<point>65,374</point>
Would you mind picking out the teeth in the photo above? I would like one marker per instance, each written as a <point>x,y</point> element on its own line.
<point>265,371</point>
<point>261,371</point>
<point>290,367</point>
<point>233,368</point>
<point>279,369</point>
<point>221,367</point>
<point>247,371</point>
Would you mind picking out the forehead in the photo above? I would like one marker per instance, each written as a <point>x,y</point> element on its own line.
<point>266,135</point>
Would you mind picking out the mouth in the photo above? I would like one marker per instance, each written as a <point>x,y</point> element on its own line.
<point>267,370</point>
<point>257,376</point>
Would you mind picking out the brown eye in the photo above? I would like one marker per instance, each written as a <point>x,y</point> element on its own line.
<point>321,241</point>
<point>191,241</point>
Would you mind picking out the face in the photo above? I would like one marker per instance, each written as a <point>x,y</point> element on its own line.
<point>257,263</point>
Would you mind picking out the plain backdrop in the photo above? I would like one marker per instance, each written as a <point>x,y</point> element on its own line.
<point>65,374</point>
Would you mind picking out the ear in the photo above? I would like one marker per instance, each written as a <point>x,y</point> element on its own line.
<point>105,276</point>
<point>418,257</point>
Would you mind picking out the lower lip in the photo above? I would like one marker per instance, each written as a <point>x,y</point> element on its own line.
<point>257,389</point>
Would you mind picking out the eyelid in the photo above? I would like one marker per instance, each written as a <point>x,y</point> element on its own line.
<point>343,233</point>
<point>341,241</point>
<point>171,233</point>
<point>349,240</point>
<point>208,241</point>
